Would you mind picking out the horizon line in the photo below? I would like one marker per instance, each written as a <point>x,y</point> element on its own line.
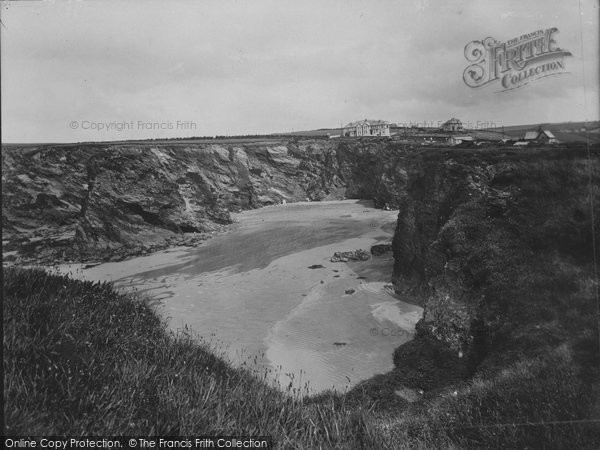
<point>277,134</point>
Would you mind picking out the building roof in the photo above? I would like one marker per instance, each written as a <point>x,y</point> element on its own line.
<point>532,135</point>
<point>368,122</point>
<point>463,138</point>
<point>548,133</point>
<point>452,121</point>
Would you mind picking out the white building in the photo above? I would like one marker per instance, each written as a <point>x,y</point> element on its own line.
<point>367,128</point>
<point>541,135</point>
<point>452,125</point>
<point>455,140</point>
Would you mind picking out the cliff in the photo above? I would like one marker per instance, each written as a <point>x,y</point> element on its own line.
<point>94,201</point>
<point>497,245</point>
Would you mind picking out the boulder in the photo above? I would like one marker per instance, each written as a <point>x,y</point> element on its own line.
<point>356,255</point>
<point>380,249</point>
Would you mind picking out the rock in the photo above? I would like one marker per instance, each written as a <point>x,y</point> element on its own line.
<point>339,344</point>
<point>356,255</point>
<point>380,249</point>
<point>142,194</point>
<point>316,266</point>
<point>407,394</point>
<point>350,291</point>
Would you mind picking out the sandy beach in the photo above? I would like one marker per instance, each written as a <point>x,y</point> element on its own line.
<point>251,292</point>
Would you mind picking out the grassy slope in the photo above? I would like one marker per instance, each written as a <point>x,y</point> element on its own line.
<point>564,131</point>
<point>82,359</point>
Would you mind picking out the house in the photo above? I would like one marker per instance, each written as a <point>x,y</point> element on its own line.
<point>541,135</point>
<point>455,140</point>
<point>452,125</point>
<point>367,128</point>
<point>530,136</point>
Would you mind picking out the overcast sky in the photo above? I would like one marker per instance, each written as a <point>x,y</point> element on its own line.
<point>263,66</point>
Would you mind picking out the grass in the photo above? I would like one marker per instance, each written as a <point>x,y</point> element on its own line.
<point>81,359</point>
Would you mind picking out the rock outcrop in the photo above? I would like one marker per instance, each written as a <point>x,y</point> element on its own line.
<point>380,249</point>
<point>354,255</point>
<point>95,201</point>
<point>492,243</point>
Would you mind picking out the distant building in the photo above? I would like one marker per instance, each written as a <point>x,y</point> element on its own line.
<point>367,128</point>
<point>541,135</point>
<point>452,125</point>
<point>530,136</point>
<point>455,139</point>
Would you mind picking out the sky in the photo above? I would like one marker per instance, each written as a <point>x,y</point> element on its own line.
<point>99,70</point>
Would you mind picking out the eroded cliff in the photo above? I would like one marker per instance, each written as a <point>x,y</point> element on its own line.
<point>497,245</point>
<point>81,202</point>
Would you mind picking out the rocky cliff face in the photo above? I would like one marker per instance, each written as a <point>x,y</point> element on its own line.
<point>495,243</point>
<point>78,202</point>
<point>497,246</point>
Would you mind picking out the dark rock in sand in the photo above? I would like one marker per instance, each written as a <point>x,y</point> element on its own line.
<point>356,255</point>
<point>350,291</point>
<point>316,266</point>
<point>380,249</point>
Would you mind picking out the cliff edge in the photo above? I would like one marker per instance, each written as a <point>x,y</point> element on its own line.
<point>497,245</point>
<point>105,201</point>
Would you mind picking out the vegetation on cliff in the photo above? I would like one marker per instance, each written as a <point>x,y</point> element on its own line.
<point>498,248</point>
<point>494,243</point>
<point>81,359</point>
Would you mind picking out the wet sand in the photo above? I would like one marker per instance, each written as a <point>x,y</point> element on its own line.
<point>252,290</point>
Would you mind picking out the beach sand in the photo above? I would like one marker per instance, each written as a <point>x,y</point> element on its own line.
<point>250,291</point>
